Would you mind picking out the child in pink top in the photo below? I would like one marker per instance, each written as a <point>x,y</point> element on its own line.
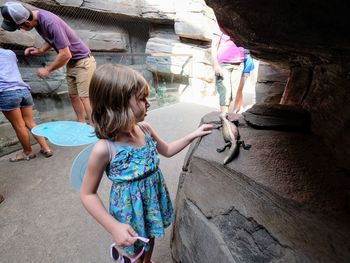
<point>227,50</point>
<point>228,66</point>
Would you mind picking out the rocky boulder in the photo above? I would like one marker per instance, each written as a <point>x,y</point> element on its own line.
<point>310,39</point>
<point>173,57</point>
<point>267,205</point>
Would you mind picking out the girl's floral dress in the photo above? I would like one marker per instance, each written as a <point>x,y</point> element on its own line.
<point>139,196</point>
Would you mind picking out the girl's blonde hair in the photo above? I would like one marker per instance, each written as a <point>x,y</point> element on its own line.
<point>111,88</point>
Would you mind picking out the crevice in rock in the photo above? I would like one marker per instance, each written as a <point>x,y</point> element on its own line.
<point>245,234</point>
<point>308,85</point>
<point>246,240</point>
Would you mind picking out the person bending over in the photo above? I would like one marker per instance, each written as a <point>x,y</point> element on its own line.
<point>71,51</point>
<point>16,103</point>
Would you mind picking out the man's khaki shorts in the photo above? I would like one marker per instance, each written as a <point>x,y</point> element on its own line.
<point>79,74</point>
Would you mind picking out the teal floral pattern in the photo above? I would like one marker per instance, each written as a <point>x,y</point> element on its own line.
<point>139,196</point>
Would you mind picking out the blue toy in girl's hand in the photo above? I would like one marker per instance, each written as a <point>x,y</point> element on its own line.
<point>79,166</point>
<point>66,133</point>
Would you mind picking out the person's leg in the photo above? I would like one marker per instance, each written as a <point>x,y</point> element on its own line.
<point>27,114</point>
<point>222,86</point>
<point>235,79</point>
<point>85,69</point>
<point>18,124</point>
<point>10,103</point>
<point>77,105</point>
<point>221,89</point>
<point>148,255</point>
<point>87,107</point>
<point>248,66</point>
<point>239,95</point>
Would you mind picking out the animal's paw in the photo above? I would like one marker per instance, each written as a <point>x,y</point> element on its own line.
<point>245,146</point>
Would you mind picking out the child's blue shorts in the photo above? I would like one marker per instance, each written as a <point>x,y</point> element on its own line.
<point>248,64</point>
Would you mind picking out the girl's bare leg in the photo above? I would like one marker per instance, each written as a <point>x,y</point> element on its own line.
<point>148,255</point>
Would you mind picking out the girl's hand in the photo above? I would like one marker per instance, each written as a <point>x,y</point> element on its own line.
<point>124,235</point>
<point>202,130</point>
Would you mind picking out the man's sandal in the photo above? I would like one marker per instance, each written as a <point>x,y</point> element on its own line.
<point>47,153</point>
<point>22,157</point>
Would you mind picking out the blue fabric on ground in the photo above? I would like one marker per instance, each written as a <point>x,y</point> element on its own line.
<point>66,133</point>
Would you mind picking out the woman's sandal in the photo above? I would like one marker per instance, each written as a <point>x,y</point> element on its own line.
<point>22,157</point>
<point>47,153</point>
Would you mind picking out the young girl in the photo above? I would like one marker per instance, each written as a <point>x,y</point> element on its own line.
<point>128,150</point>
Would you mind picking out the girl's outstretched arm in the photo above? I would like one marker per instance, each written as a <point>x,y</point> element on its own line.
<point>172,148</point>
<point>122,233</point>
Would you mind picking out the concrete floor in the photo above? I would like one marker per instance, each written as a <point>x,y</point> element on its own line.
<point>42,218</point>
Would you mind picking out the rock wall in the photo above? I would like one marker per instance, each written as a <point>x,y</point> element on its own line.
<point>287,198</point>
<point>311,39</point>
<point>157,37</point>
<point>176,44</point>
<point>274,203</point>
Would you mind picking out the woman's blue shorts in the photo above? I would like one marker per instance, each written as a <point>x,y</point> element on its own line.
<point>13,99</point>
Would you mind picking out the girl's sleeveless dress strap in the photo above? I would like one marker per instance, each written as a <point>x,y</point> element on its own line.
<point>144,129</point>
<point>108,143</point>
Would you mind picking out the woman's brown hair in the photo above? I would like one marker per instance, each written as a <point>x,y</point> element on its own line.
<point>110,91</point>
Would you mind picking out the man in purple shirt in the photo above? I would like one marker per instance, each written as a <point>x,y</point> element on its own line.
<point>71,51</point>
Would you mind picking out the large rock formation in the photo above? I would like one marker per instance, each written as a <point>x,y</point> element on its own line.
<point>156,37</point>
<point>310,38</point>
<point>307,33</point>
<point>277,202</point>
<point>287,198</point>
<point>128,32</point>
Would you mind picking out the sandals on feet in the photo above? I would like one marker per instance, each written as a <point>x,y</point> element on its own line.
<point>47,153</point>
<point>22,157</point>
